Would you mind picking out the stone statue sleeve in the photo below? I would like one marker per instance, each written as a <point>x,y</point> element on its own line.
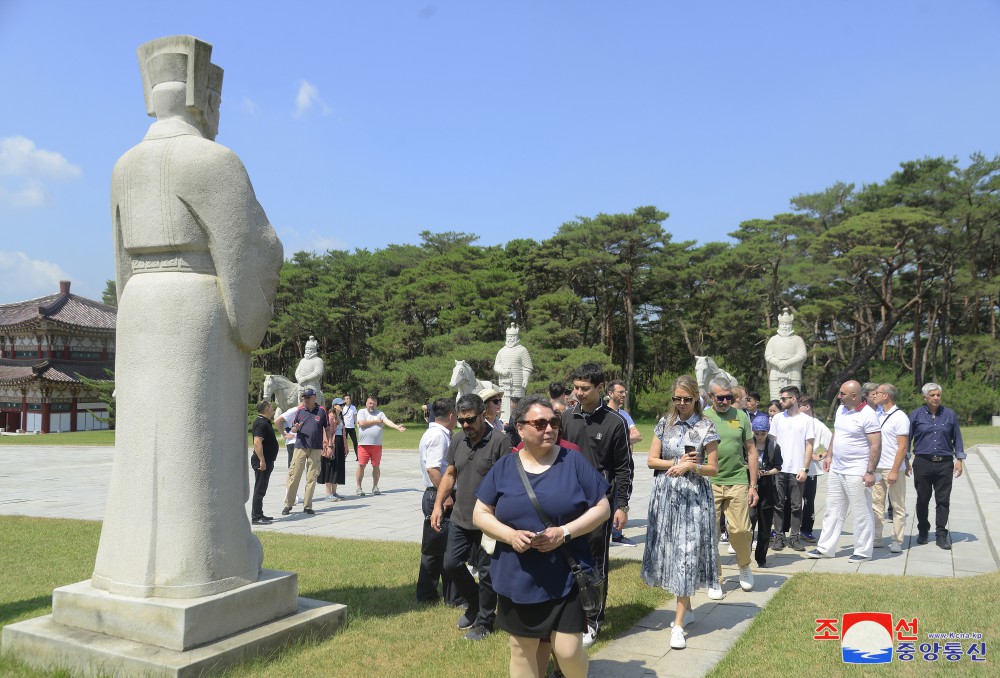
<point>244,246</point>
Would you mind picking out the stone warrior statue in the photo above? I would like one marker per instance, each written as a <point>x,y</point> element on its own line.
<point>785,353</point>
<point>197,270</point>
<point>309,373</point>
<point>514,367</point>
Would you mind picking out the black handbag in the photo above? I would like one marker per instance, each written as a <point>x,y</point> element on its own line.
<point>590,586</point>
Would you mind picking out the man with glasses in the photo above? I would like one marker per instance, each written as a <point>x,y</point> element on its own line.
<point>601,433</point>
<point>938,456</point>
<point>471,455</point>
<point>850,463</point>
<point>895,429</point>
<point>733,495</point>
<point>794,434</point>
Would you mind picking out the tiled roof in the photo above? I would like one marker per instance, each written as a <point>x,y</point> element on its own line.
<point>64,371</point>
<point>67,308</point>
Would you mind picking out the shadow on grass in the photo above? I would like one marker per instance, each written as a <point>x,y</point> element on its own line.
<point>370,601</point>
<point>18,609</point>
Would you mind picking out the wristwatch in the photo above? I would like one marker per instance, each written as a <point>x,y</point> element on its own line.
<point>566,535</point>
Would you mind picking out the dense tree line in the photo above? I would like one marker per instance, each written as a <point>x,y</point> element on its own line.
<point>891,281</point>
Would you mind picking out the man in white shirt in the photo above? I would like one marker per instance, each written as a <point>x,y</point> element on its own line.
<point>850,461</point>
<point>822,435</point>
<point>895,429</point>
<point>433,455</point>
<point>795,436</point>
<point>350,413</point>
<point>370,421</point>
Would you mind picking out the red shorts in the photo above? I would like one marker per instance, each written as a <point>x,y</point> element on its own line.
<point>371,453</point>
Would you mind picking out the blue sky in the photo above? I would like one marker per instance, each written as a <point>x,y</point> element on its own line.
<point>364,123</point>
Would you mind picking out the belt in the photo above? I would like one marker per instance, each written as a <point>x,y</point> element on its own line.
<point>171,262</point>
<point>937,457</point>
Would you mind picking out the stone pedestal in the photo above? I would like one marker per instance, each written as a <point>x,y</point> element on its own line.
<point>98,633</point>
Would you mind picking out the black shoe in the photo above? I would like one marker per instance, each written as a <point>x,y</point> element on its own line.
<point>478,632</point>
<point>467,620</point>
<point>922,538</point>
<point>796,545</point>
<point>944,541</point>
<point>285,511</point>
<point>761,563</point>
<point>261,521</point>
<point>309,511</point>
<point>807,536</point>
<point>267,517</point>
<point>777,543</point>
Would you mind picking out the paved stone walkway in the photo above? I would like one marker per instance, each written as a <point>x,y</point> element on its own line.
<point>71,482</point>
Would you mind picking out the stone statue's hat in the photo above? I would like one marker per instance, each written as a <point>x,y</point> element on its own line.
<point>786,317</point>
<point>179,58</point>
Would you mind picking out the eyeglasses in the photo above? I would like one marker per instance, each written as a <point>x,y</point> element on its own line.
<point>494,401</point>
<point>542,424</point>
<point>468,420</point>
<point>682,400</point>
<point>784,398</point>
<point>725,397</point>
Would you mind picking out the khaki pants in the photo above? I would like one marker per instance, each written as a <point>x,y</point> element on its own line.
<point>734,501</point>
<point>897,497</point>
<point>310,460</point>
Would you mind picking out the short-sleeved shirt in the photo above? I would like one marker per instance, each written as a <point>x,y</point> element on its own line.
<point>821,443</point>
<point>565,491</point>
<point>471,466</point>
<point>370,435</point>
<point>791,433</point>
<point>263,429</point>
<point>851,448</point>
<point>310,435</point>
<point>894,423</point>
<point>350,414</point>
<point>433,450</point>
<point>734,430</point>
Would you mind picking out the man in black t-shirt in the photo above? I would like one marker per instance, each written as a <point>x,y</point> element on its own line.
<point>265,451</point>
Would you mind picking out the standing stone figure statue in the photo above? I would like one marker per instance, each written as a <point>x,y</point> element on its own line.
<point>309,373</point>
<point>514,367</point>
<point>197,271</point>
<point>785,353</point>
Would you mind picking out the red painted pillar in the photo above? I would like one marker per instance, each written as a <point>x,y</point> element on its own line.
<point>24,412</point>
<point>72,415</point>
<point>46,415</point>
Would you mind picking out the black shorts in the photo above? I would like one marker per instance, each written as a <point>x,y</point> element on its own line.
<point>541,620</point>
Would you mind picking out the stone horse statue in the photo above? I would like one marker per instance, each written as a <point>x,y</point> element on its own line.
<point>286,392</point>
<point>463,379</point>
<point>706,370</point>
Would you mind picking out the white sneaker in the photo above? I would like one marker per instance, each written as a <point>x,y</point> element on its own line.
<point>895,547</point>
<point>677,641</point>
<point>715,591</point>
<point>375,490</point>
<point>746,578</point>
<point>590,637</point>
<point>359,492</point>
<point>731,551</point>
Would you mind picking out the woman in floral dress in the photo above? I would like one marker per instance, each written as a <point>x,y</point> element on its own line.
<point>680,551</point>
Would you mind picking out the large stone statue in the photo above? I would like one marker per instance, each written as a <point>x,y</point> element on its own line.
<point>309,373</point>
<point>178,586</point>
<point>514,367</point>
<point>785,354</point>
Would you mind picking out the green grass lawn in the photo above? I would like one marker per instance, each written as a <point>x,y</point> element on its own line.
<point>387,632</point>
<point>780,641</point>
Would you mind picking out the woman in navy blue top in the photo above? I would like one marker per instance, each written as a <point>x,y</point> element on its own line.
<point>537,595</point>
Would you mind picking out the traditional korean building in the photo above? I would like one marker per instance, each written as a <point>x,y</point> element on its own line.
<point>45,345</point>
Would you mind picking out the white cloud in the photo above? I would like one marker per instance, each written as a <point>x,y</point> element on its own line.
<point>294,241</point>
<point>27,278</point>
<point>24,169</point>
<point>308,97</point>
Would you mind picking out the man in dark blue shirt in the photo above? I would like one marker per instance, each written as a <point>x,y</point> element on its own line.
<point>936,442</point>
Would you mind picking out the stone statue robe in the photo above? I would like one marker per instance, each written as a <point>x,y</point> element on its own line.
<point>514,367</point>
<point>197,270</point>
<point>309,374</point>
<point>785,356</point>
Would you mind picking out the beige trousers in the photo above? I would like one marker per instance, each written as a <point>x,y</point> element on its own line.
<point>896,493</point>
<point>734,501</point>
<point>310,460</point>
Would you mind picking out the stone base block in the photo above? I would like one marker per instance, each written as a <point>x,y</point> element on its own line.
<point>176,623</point>
<point>43,643</point>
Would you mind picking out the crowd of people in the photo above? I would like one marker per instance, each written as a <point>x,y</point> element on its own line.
<point>518,514</point>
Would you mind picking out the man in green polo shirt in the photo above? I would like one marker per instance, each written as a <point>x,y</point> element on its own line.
<point>733,493</point>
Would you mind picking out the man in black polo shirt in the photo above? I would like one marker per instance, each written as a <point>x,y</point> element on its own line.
<point>602,436</point>
<point>471,455</point>
<point>265,451</point>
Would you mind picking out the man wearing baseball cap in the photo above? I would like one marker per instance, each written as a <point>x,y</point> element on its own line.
<point>310,426</point>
